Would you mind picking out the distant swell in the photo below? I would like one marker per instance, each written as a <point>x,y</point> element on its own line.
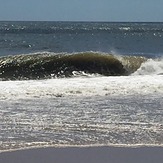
<point>51,65</point>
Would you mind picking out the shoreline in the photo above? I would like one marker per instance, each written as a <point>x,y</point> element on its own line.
<point>87,154</point>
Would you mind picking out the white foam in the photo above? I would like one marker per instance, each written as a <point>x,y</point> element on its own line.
<point>92,86</point>
<point>125,28</point>
<point>151,67</point>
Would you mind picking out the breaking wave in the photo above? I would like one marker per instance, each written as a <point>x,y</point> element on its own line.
<point>151,67</point>
<point>51,65</point>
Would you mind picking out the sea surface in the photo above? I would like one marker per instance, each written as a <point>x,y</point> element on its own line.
<point>80,84</point>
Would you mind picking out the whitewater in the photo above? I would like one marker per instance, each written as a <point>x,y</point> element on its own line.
<point>82,86</point>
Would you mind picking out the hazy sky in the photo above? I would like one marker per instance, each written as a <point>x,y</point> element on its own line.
<point>82,10</point>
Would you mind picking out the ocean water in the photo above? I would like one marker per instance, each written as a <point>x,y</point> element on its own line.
<point>80,83</point>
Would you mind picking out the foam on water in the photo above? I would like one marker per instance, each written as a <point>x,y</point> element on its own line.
<point>73,120</point>
<point>81,111</point>
<point>82,86</point>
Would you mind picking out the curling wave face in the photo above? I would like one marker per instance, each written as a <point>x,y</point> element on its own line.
<point>51,65</point>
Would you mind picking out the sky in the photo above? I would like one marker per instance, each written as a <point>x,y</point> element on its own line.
<point>82,10</point>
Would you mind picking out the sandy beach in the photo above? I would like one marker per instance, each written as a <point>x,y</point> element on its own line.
<point>85,155</point>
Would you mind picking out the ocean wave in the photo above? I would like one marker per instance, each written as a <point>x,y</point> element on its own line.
<point>51,65</point>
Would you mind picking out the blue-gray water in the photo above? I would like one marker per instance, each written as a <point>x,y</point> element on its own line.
<point>41,106</point>
<point>122,38</point>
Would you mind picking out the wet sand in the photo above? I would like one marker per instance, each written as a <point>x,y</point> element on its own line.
<point>85,155</point>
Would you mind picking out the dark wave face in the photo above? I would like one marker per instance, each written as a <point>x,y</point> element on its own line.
<point>50,65</point>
